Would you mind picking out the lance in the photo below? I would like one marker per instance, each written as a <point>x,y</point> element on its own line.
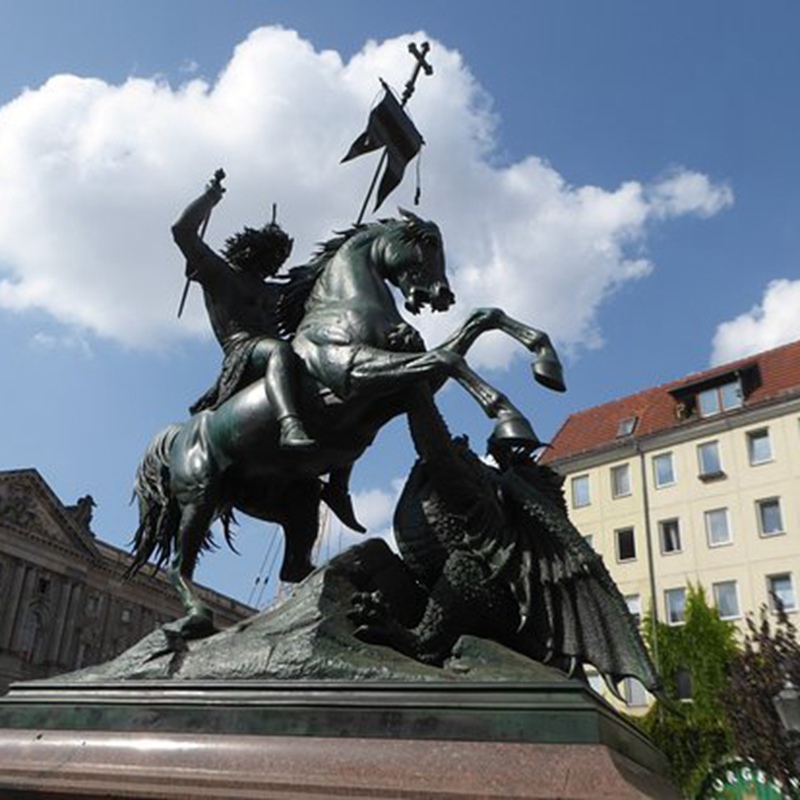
<point>419,54</point>
<point>216,182</point>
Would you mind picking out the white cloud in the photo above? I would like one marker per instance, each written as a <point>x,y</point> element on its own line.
<point>375,511</point>
<point>93,174</point>
<point>772,322</point>
<point>374,508</point>
<point>70,342</point>
<point>683,192</point>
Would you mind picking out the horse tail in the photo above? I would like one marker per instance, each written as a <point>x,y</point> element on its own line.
<point>159,512</point>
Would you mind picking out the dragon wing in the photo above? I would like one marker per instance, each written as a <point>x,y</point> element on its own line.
<point>567,599</point>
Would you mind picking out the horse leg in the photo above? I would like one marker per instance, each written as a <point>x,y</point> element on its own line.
<point>512,428</point>
<point>546,366</point>
<point>377,369</point>
<point>192,532</point>
<point>300,527</point>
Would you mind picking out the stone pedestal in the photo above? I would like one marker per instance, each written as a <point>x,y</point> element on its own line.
<point>328,739</point>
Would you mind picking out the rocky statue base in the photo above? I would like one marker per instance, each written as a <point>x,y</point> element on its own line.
<point>291,704</point>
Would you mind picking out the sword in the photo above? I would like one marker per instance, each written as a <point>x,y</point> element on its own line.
<point>216,181</point>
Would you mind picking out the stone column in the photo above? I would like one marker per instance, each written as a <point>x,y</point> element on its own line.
<point>57,632</point>
<point>65,656</point>
<point>25,595</point>
<point>7,629</point>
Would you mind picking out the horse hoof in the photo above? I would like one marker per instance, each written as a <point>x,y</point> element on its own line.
<point>198,625</point>
<point>548,372</point>
<point>514,431</point>
<point>295,573</point>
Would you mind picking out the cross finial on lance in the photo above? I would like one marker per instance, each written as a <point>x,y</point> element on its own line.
<point>419,54</point>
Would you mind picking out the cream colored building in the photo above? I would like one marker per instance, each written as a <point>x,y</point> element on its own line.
<point>696,481</point>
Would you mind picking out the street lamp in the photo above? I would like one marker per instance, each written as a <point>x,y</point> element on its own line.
<point>787,704</point>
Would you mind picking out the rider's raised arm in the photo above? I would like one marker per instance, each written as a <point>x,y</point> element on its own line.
<point>200,258</point>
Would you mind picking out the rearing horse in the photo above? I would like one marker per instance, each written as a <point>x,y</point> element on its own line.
<point>363,364</point>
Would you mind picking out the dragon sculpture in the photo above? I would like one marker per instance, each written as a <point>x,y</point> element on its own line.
<point>494,555</point>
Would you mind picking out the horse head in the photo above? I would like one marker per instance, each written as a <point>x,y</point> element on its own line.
<point>410,256</point>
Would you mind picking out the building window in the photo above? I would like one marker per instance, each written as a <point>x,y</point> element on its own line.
<point>626,544</point>
<point>780,589</point>
<point>589,539</point>
<point>621,481</point>
<point>93,605</point>
<point>675,601</point>
<point>580,491</point>
<point>709,460</point>
<point>770,519</point>
<point>683,684</point>
<point>721,398</point>
<point>595,682</point>
<point>626,426</point>
<point>726,599</point>
<point>759,447</point>
<point>663,470</point>
<point>634,603</point>
<point>125,616</point>
<point>718,529</point>
<point>670,535</point>
<point>634,693</point>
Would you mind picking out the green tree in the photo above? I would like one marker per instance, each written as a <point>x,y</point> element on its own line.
<point>688,722</point>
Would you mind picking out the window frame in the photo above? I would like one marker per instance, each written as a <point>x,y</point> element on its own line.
<point>595,681</point>
<point>667,608</point>
<point>669,454</point>
<point>634,693</point>
<point>574,481</point>
<point>727,617</point>
<point>760,503</point>
<point>634,604</point>
<point>710,475</point>
<point>770,591</point>
<point>621,469</point>
<point>751,436</point>
<point>684,685</point>
<point>718,393</point>
<point>706,517</point>
<point>662,523</point>
<point>626,427</point>
<point>617,532</point>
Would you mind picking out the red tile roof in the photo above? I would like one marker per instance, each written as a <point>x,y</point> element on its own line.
<point>655,408</point>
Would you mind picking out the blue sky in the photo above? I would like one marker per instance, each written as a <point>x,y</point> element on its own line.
<point>623,174</point>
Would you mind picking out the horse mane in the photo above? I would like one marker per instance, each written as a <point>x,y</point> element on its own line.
<point>300,280</point>
<point>292,303</point>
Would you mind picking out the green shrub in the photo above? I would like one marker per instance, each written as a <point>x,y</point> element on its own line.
<point>694,734</point>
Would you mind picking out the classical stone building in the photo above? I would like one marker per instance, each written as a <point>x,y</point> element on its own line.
<point>696,481</point>
<point>64,602</point>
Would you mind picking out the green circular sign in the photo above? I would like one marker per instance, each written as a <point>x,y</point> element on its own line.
<point>744,780</point>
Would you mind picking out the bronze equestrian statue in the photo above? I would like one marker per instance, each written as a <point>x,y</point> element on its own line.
<point>360,365</point>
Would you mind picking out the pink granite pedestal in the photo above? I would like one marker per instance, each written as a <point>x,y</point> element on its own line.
<point>68,764</point>
<point>321,739</point>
